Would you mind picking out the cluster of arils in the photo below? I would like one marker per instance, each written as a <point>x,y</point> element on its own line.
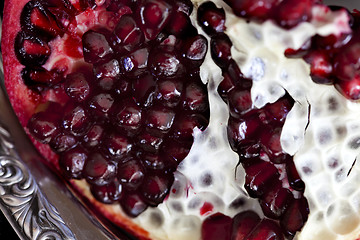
<point>131,107</point>
<point>335,59</point>
<point>254,134</point>
<point>286,13</point>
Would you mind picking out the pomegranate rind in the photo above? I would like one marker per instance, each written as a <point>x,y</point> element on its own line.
<point>25,102</point>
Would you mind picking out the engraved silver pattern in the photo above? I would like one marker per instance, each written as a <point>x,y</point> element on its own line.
<point>21,197</point>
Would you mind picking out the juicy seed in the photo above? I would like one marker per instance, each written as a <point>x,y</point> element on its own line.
<point>96,47</point>
<point>243,224</point>
<point>127,34</point>
<point>44,126</point>
<point>290,13</point>
<point>72,162</point>
<point>98,170</point>
<point>131,174</point>
<point>266,230</point>
<point>211,18</point>
<point>253,9</point>
<point>221,50</point>
<point>77,87</point>
<point>108,193</point>
<point>165,63</point>
<point>194,51</point>
<point>295,216</point>
<point>216,226</point>
<point>132,204</point>
<point>155,188</point>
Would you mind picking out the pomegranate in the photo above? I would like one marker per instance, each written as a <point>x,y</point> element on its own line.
<point>112,94</point>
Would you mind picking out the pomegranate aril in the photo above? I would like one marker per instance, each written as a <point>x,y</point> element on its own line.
<point>259,176</point>
<point>346,61</point>
<point>169,92</point>
<point>108,193</point>
<point>185,6</point>
<point>295,216</point>
<point>180,25</point>
<point>270,139</point>
<point>117,145</point>
<point>320,66</point>
<point>122,86</point>
<point>63,142</point>
<point>76,120</point>
<point>38,78</point>
<point>216,226</point>
<point>253,9</point>
<point>85,4</point>
<point>98,170</point>
<point>144,90</point>
<point>294,177</point>
<point>152,161</point>
<point>155,188</point>
<point>127,34</point>
<point>159,120</point>
<point>275,201</point>
<point>266,230</point>
<point>94,136</point>
<point>153,16</point>
<point>242,132</point>
<point>96,48</point>
<point>35,18</point>
<point>149,142</point>
<point>243,224</point>
<point>278,110</point>
<point>44,126</point>
<point>131,174</point>
<point>63,12</point>
<point>173,152</point>
<point>290,13</point>
<point>195,97</point>
<point>211,18</point>
<point>185,124</point>
<point>164,62</point>
<point>101,104</point>
<point>225,86</point>
<point>194,50</point>
<point>116,5</point>
<point>31,50</point>
<point>234,73</point>
<point>220,46</point>
<point>72,162</point>
<point>77,86</point>
<point>349,89</point>
<point>240,102</point>
<point>135,63</point>
<point>110,69</point>
<point>132,204</point>
<point>127,116</point>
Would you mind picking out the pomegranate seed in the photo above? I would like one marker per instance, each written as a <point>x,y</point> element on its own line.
<point>100,104</point>
<point>211,18</point>
<point>149,143</point>
<point>243,224</point>
<point>72,162</point>
<point>290,13</point>
<point>349,89</point>
<point>38,78</point>
<point>259,176</point>
<point>76,120</point>
<point>31,50</point>
<point>122,87</point>
<point>164,63</point>
<point>85,4</point>
<point>216,226</point>
<point>240,102</point>
<point>221,50</point>
<point>77,86</point>
<point>155,188</point>
<point>153,16</point>
<point>110,69</point>
<point>135,63</point>
<point>98,170</point>
<point>346,62</point>
<point>127,116</point>
<point>320,66</point>
<point>194,51</point>
<point>266,230</point>
<point>195,97</point>
<point>44,126</point>
<point>180,25</point>
<point>152,161</point>
<point>132,204</point>
<point>294,178</point>
<point>159,119</point>
<point>94,136</point>
<point>127,34</point>
<point>96,48</point>
<point>108,193</point>
<point>185,6</point>
<point>144,90</point>
<point>295,216</point>
<point>131,174</point>
<point>270,139</point>
<point>63,142</point>
<point>275,201</point>
<point>174,152</point>
<point>225,86</point>
<point>185,124</point>
<point>278,110</point>
<point>253,9</point>
<point>117,146</point>
<point>169,92</point>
